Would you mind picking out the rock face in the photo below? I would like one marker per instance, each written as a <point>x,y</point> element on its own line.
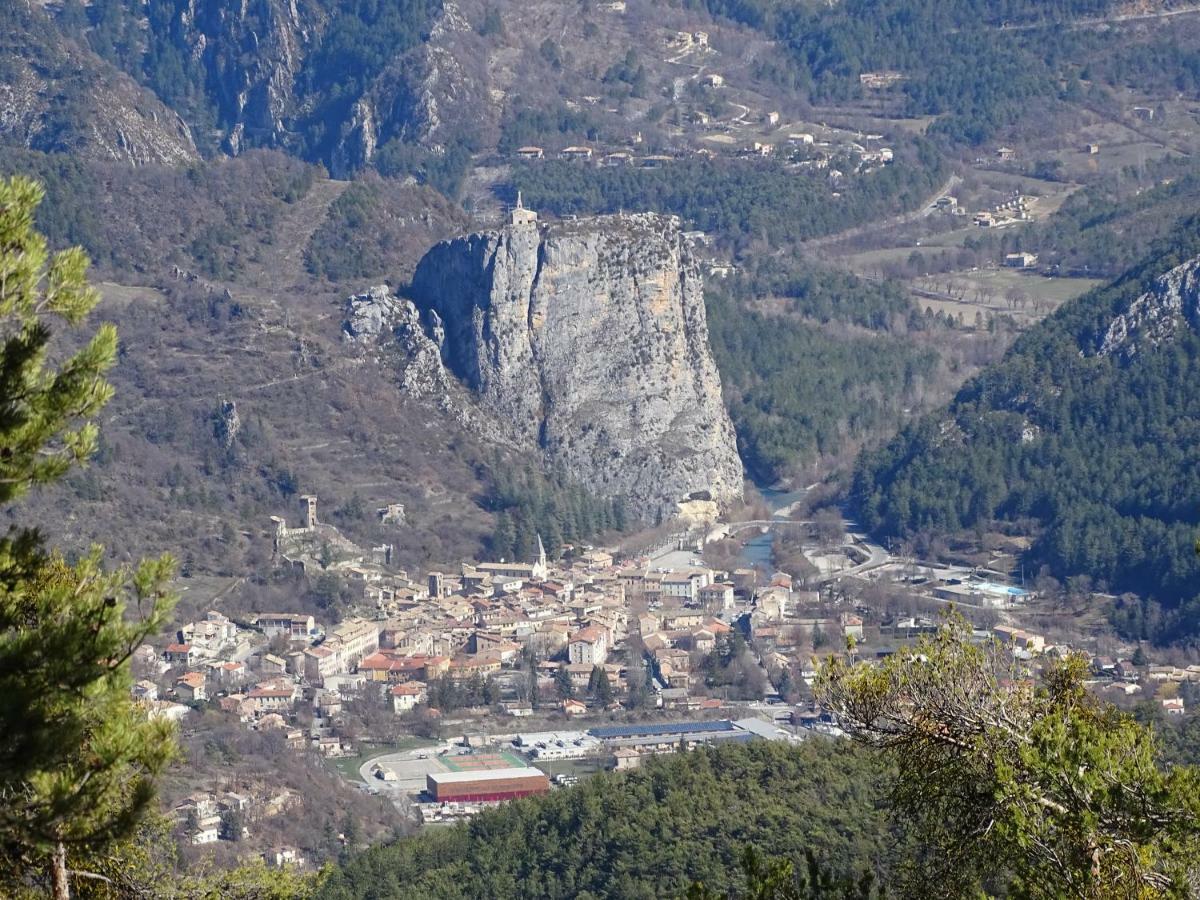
<point>57,96</point>
<point>371,314</point>
<point>377,321</point>
<point>262,63</point>
<point>590,337</point>
<point>228,424</point>
<point>1156,316</point>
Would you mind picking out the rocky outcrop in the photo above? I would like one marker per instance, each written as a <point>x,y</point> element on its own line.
<point>590,337</point>
<point>1155,317</point>
<point>371,314</point>
<point>227,425</point>
<point>378,321</point>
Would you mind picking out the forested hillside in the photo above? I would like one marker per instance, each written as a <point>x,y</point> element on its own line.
<point>742,199</point>
<point>649,833</point>
<point>797,392</point>
<point>1086,435</point>
<point>958,59</point>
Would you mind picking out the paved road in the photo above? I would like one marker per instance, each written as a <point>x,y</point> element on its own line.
<point>921,211</point>
<point>930,208</point>
<point>876,557</point>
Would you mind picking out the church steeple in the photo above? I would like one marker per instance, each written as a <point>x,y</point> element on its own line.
<point>519,215</point>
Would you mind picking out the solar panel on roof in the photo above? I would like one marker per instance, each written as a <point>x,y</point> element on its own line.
<point>613,732</point>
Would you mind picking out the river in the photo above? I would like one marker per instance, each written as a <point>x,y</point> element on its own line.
<point>756,552</point>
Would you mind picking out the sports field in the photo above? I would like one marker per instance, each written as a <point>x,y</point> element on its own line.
<point>477,762</point>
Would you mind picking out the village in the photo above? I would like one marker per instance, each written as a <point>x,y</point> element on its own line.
<point>507,678</point>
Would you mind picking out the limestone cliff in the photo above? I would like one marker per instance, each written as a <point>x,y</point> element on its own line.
<point>590,338</point>
<point>1155,317</point>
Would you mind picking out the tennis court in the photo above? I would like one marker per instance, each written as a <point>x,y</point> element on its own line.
<point>478,762</point>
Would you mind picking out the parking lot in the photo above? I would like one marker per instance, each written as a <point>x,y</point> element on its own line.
<point>410,768</point>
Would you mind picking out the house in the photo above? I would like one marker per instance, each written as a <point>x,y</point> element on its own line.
<point>757,148</point>
<point>206,834</point>
<point>1006,153</point>
<point>588,647</point>
<point>1091,149</point>
<point>272,696</point>
<point>627,758</point>
<point>228,672</point>
<point>679,619</point>
<point>530,152</point>
<point>1173,706</point>
<point>577,153</point>
<point>597,559</point>
<point>1023,640</point>
<point>620,158</point>
<point>679,586</point>
<point>713,80</point>
<point>319,664</point>
<point>293,625</point>
<point>701,38</point>
<point>879,80</point>
<point>703,641</point>
<point>771,118</point>
<point>852,626</point>
<point>380,665</point>
<point>212,631</point>
<point>282,857</point>
<point>191,687</point>
<point>353,640</point>
<point>407,695</point>
<point>717,596</point>
<point>1145,113</point>
<point>180,654</point>
<point>772,602</point>
<point>465,667</point>
<point>146,691</point>
<point>574,707</point>
<point>1022,260</point>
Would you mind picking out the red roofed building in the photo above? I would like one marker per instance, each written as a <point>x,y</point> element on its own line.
<point>406,696</point>
<point>179,653</point>
<point>272,697</point>
<point>191,687</point>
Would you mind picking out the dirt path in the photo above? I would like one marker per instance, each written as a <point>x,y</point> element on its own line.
<point>285,266</point>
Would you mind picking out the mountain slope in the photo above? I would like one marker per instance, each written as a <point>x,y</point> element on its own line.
<point>1088,432</point>
<point>58,96</point>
